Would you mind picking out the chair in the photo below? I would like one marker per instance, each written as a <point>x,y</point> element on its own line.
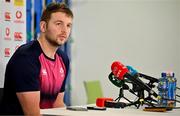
<point>93,91</point>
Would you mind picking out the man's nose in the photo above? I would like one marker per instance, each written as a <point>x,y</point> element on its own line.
<point>64,29</point>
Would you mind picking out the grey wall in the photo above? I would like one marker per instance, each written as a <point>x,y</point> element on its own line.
<point>142,33</point>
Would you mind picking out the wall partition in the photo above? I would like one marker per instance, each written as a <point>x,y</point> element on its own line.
<point>12,30</point>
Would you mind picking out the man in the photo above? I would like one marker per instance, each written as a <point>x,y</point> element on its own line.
<point>36,73</point>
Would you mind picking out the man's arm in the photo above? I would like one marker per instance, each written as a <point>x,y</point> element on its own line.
<point>59,101</point>
<point>29,102</point>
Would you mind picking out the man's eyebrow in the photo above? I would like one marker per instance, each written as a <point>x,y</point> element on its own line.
<point>58,21</point>
<point>62,22</point>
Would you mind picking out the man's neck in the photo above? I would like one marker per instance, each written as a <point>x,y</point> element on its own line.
<point>47,48</point>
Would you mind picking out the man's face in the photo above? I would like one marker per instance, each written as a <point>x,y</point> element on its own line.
<point>58,29</point>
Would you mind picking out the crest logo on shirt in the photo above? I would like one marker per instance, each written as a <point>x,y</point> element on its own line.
<point>44,72</point>
<point>61,70</point>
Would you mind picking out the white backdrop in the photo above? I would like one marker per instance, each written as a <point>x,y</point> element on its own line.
<point>142,33</point>
<point>12,30</point>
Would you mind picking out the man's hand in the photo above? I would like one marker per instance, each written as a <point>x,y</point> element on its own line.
<point>59,101</point>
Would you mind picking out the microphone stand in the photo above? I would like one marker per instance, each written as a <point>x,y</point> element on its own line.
<point>121,94</point>
<point>149,97</point>
<point>152,80</point>
<point>141,99</point>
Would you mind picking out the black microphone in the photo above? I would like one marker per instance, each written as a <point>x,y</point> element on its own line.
<point>134,72</point>
<point>120,83</point>
<point>121,72</point>
<point>151,79</point>
<point>115,80</point>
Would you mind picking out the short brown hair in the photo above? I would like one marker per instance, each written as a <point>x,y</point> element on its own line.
<point>55,7</point>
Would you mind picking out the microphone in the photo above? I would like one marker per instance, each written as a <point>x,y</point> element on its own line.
<point>121,72</point>
<point>151,79</point>
<point>120,83</point>
<point>134,72</point>
<point>115,80</point>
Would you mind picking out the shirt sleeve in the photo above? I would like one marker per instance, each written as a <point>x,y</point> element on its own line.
<point>66,63</point>
<point>24,72</point>
<point>63,85</point>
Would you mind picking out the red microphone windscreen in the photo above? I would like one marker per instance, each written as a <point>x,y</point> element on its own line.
<point>119,70</point>
<point>100,102</point>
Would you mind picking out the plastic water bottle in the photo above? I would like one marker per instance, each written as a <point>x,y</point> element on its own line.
<point>171,89</point>
<point>163,90</point>
<point>174,89</point>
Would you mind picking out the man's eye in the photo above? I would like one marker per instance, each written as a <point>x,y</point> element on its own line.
<point>59,23</point>
<point>69,26</point>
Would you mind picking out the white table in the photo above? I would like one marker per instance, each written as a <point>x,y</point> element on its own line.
<point>128,111</point>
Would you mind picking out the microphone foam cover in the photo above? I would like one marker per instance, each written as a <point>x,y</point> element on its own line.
<point>100,102</point>
<point>119,70</point>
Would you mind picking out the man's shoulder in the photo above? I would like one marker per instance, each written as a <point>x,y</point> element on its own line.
<point>60,52</point>
<point>64,56</point>
<point>27,52</point>
<point>29,48</point>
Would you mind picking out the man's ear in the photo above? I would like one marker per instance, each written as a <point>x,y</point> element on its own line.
<point>43,26</point>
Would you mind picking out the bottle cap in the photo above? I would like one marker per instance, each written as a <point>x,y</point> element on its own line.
<point>172,74</point>
<point>163,74</point>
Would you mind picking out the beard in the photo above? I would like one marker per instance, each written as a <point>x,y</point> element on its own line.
<point>53,42</point>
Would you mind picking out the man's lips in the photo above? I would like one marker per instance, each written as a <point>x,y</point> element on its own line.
<point>62,37</point>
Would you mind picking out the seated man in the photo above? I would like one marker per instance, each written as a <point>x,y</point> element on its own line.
<point>36,73</point>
